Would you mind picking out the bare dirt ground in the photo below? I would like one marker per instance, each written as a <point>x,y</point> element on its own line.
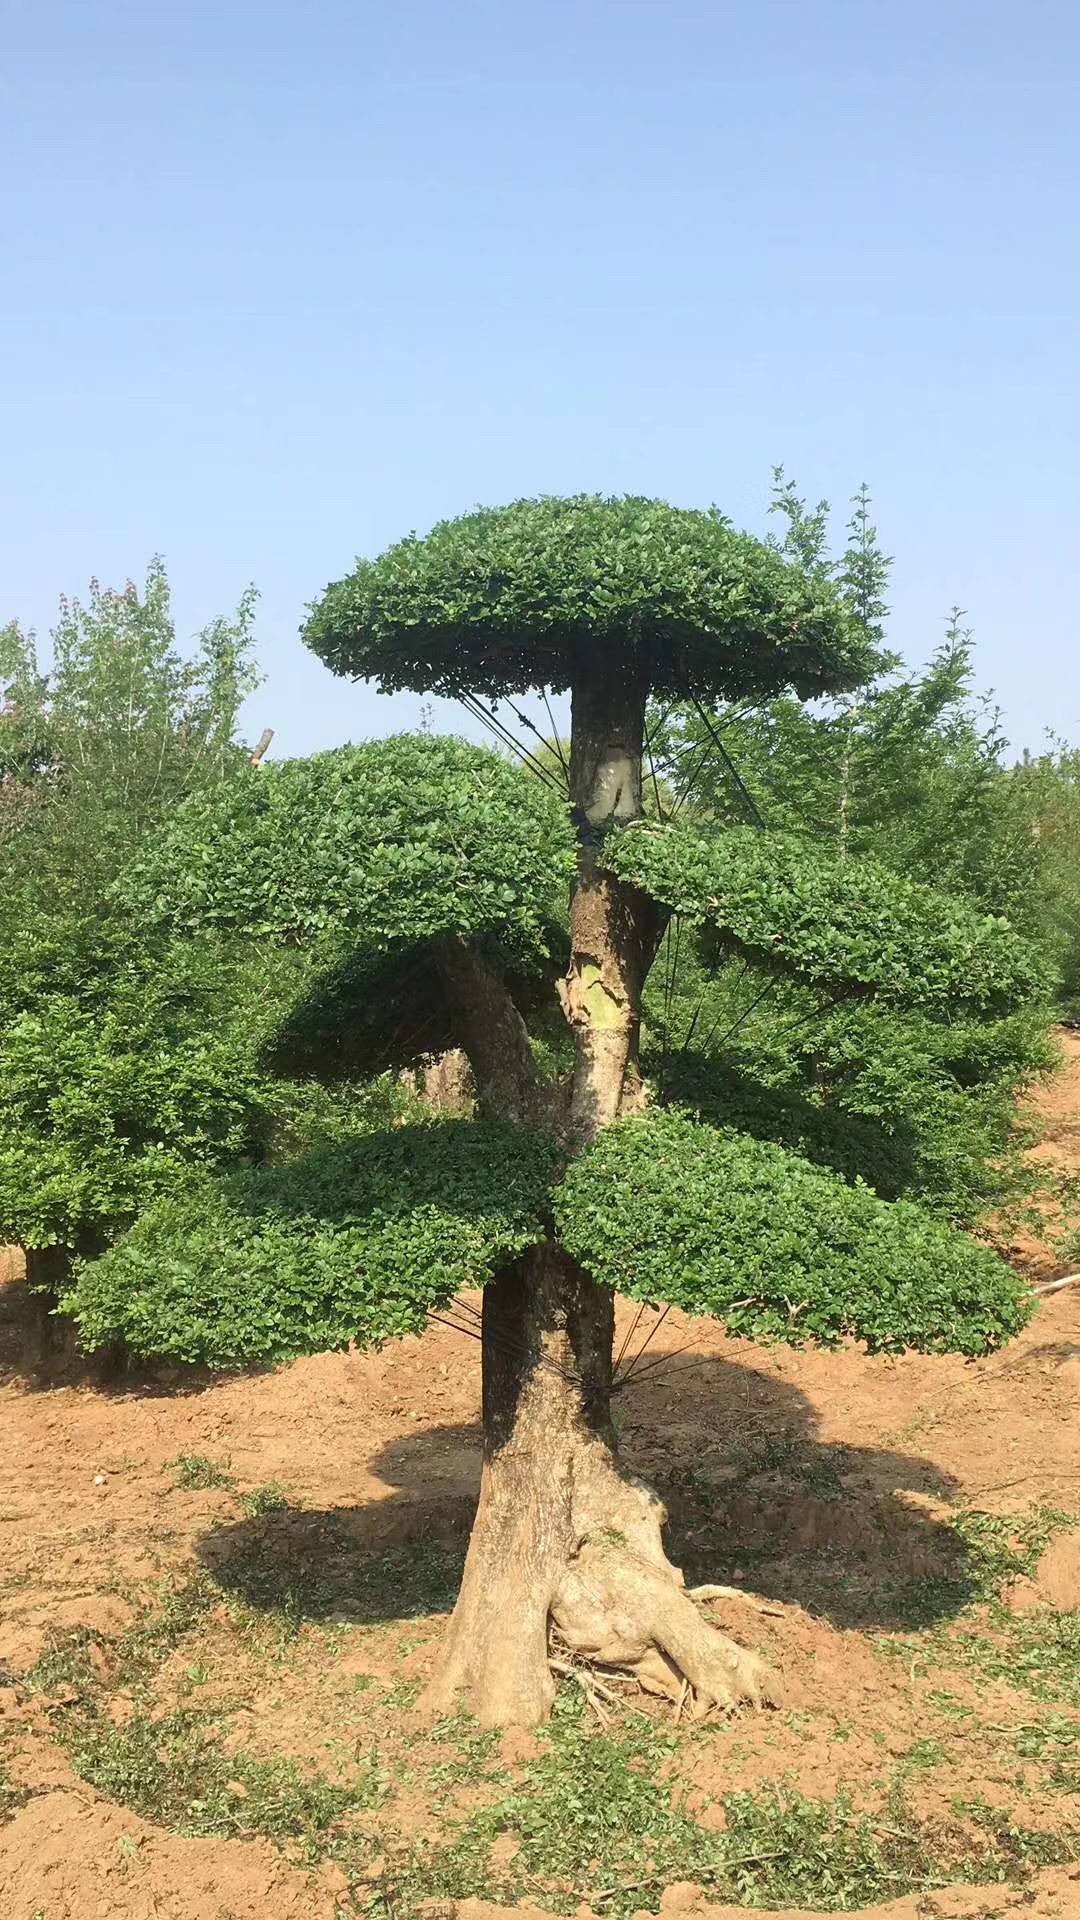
<point>218,1600</point>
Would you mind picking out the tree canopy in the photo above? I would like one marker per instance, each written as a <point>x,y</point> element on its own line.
<point>350,852</point>
<point>511,598</point>
<point>834,922</point>
<point>394,841</point>
<point>183,1095</point>
<point>95,751</point>
<point>357,1241</point>
<point>361,1240</point>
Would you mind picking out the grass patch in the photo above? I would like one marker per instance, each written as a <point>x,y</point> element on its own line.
<point>1037,1653</point>
<point>1054,1742</point>
<point>177,1612</point>
<point>195,1472</point>
<point>596,1814</point>
<point>476,1749</point>
<point>65,1665</point>
<point>1003,1547</point>
<point>926,1752</point>
<point>272,1497</point>
<point>173,1771</point>
<point>68,1665</point>
<point>987,1552</point>
<point>597,1817</point>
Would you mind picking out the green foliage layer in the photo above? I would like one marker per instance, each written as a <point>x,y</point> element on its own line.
<point>509,598</point>
<point>1043,797</point>
<point>358,1241</point>
<point>108,1096</point>
<point>397,840</point>
<point>664,1208</point>
<point>361,1239</point>
<point>918,1108</point>
<point>831,922</point>
<point>911,773</point>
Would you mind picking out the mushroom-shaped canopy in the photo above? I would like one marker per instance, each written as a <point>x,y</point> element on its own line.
<point>510,598</point>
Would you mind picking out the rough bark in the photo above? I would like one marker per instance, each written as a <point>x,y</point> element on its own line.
<point>563,1537</point>
<point>48,1270</point>
<point>447,1082</point>
<point>492,1033</point>
<point>614,929</point>
<point>52,1341</point>
<point>542,1323</point>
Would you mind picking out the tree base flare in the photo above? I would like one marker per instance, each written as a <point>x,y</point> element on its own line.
<point>565,1540</point>
<point>619,1615</point>
<point>613,1601</point>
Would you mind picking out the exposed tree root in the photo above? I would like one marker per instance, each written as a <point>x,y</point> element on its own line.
<point>621,1603</point>
<point>622,1614</point>
<point>565,1542</point>
<point>613,1602</point>
<point>736,1593</point>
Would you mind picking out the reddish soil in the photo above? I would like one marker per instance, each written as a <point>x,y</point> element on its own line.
<point>824,1482</point>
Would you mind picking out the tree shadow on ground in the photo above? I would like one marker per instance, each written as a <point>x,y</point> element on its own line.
<point>861,1537</point>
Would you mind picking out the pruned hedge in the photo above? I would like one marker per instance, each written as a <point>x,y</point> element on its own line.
<point>664,1208</point>
<point>358,1241</point>
<point>834,923</point>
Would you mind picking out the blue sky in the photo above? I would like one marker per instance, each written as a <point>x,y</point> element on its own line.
<point>286,281</point>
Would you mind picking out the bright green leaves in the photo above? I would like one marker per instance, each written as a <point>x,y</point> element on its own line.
<point>276,925</point>
<point>395,840</point>
<point>357,1241</point>
<point>105,744</point>
<point>110,1096</point>
<point>514,597</point>
<point>118,1088</point>
<point>666,1209</point>
<point>361,1239</point>
<point>834,923</point>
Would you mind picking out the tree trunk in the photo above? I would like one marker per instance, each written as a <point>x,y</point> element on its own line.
<point>51,1336</point>
<point>491,1031</point>
<point>563,1537</point>
<point>52,1341</point>
<point>614,929</point>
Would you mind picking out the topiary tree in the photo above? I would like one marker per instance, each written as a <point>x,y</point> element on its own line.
<point>441,867</point>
